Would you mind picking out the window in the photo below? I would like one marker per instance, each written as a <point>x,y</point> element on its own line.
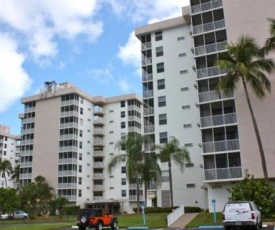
<point>123,193</point>
<point>111,121</point>
<point>122,104</point>
<point>122,125</point>
<point>183,71</point>
<point>162,101</point>
<point>80,133</point>
<point>122,114</point>
<point>165,176</point>
<point>162,119</point>
<point>80,168</point>
<point>111,111</point>
<point>123,169</point>
<point>188,145</point>
<point>161,84</point>
<point>182,54</point>
<point>80,180</point>
<point>81,110</point>
<point>163,137</point>
<point>160,67</point>
<point>190,185</point>
<point>189,165</point>
<point>111,131</point>
<point>186,107</point>
<point>158,35</point>
<point>111,143</point>
<point>123,181</point>
<point>80,156</point>
<point>181,38</point>
<point>187,126</point>
<point>79,193</point>
<point>159,51</point>
<point>184,89</point>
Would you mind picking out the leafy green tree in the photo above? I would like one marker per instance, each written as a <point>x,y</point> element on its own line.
<point>9,200</point>
<point>5,169</point>
<point>59,204</point>
<point>244,62</point>
<point>137,161</point>
<point>270,42</point>
<point>258,190</point>
<point>173,152</point>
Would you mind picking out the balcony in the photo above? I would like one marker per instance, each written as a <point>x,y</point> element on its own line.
<point>146,45</point>
<point>26,153</point>
<point>67,161</point>
<point>149,129</point>
<point>67,186</point>
<point>69,102</point>
<point>206,6</point>
<point>221,146</point>
<point>67,173</point>
<point>98,188</point>
<point>98,198</point>
<point>223,119</point>
<point>98,142</point>
<point>98,165</point>
<point>68,137</point>
<point>133,107</point>
<point>98,110</point>
<point>98,132</point>
<point>148,93</point>
<point>211,48</point>
<point>134,129</point>
<point>147,77</point>
<point>29,109</point>
<point>28,120</point>
<point>146,61</point>
<point>26,164</point>
<point>209,27</point>
<point>134,198</point>
<point>213,96</point>
<point>134,118</point>
<point>148,111</point>
<point>98,176</point>
<point>98,121</point>
<point>69,113</point>
<point>25,176</point>
<point>68,149</point>
<point>210,72</point>
<point>26,142</point>
<point>98,153</point>
<point>68,125</point>
<point>27,131</point>
<point>223,173</point>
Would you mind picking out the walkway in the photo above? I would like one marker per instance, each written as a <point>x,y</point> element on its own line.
<point>183,220</point>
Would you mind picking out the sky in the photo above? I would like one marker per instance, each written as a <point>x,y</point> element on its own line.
<point>90,43</point>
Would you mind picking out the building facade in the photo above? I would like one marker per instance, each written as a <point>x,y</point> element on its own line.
<point>69,137</point>
<point>9,150</point>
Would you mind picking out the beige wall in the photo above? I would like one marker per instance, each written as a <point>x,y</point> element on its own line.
<point>249,17</point>
<point>46,137</point>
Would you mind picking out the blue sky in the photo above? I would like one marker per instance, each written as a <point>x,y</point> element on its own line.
<point>90,43</point>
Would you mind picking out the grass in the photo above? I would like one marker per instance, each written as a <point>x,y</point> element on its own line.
<point>204,218</point>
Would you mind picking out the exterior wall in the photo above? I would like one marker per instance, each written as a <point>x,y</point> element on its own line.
<point>253,22</point>
<point>8,151</point>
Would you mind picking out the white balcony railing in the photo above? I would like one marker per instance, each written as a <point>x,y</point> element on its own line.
<point>147,77</point>
<point>148,111</point>
<point>98,176</point>
<point>146,45</point>
<point>223,119</point>
<point>223,173</point>
<point>211,48</point>
<point>210,72</point>
<point>67,186</point>
<point>149,129</point>
<point>213,96</point>
<point>148,93</point>
<point>67,161</point>
<point>209,27</point>
<point>206,6</point>
<point>220,146</point>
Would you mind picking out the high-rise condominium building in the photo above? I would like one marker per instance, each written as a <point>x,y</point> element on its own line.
<point>9,150</point>
<point>179,82</point>
<point>69,138</point>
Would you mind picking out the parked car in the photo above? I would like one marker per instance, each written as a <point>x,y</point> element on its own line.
<point>95,218</point>
<point>241,214</point>
<point>19,215</point>
<point>4,216</point>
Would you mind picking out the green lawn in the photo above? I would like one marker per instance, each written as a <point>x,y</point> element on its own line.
<point>204,218</point>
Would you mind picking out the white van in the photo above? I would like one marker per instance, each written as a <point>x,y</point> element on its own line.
<point>237,214</point>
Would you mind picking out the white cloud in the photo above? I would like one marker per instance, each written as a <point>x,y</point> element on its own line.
<point>14,80</point>
<point>124,85</point>
<point>40,22</point>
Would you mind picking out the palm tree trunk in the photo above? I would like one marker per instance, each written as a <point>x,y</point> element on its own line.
<point>145,195</point>
<point>256,130</point>
<point>138,195</point>
<point>170,183</point>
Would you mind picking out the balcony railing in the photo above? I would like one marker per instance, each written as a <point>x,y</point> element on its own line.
<point>25,176</point>
<point>98,120</point>
<point>68,149</point>
<point>98,142</point>
<point>98,153</point>
<point>26,142</point>
<point>69,125</point>
<point>220,146</point>
<point>67,161</point>
<point>206,6</point>
<point>67,173</point>
<point>148,93</point>
<point>146,61</point>
<point>209,27</point>
<point>98,197</point>
<point>67,185</point>
<point>25,164</point>
<point>98,131</point>
<point>68,137</point>
<point>133,107</point>
<point>146,45</point>
<point>29,109</point>
<point>69,102</point>
<point>27,131</point>
<point>98,165</point>
<point>98,188</point>
<point>69,113</point>
<point>26,152</point>
<point>148,111</point>
<point>28,120</point>
<point>213,96</point>
<point>149,129</point>
<point>210,72</point>
<point>98,110</point>
<point>134,129</point>
<point>223,173</point>
<point>134,198</point>
<point>98,176</point>
<point>211,48</point>
<point>70,197</point>
<point>147,77</point>
<point>223,119</point>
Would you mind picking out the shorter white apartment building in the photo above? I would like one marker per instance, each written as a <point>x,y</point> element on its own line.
<point>9,150</point>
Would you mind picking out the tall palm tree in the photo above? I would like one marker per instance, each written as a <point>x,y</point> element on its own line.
<point>270,42</point>
<point>15,175</point>
<point>173,152</point>
<point>137,161</point>
<point>5,169</point>
<point>244,62</point>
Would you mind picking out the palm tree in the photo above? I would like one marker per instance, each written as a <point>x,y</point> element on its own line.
<point>5,169</point>
<point>137,161</point>
<point>172,152</point>
<point>16,174</point>
<point>270,42</point>
<point>244,62</point>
